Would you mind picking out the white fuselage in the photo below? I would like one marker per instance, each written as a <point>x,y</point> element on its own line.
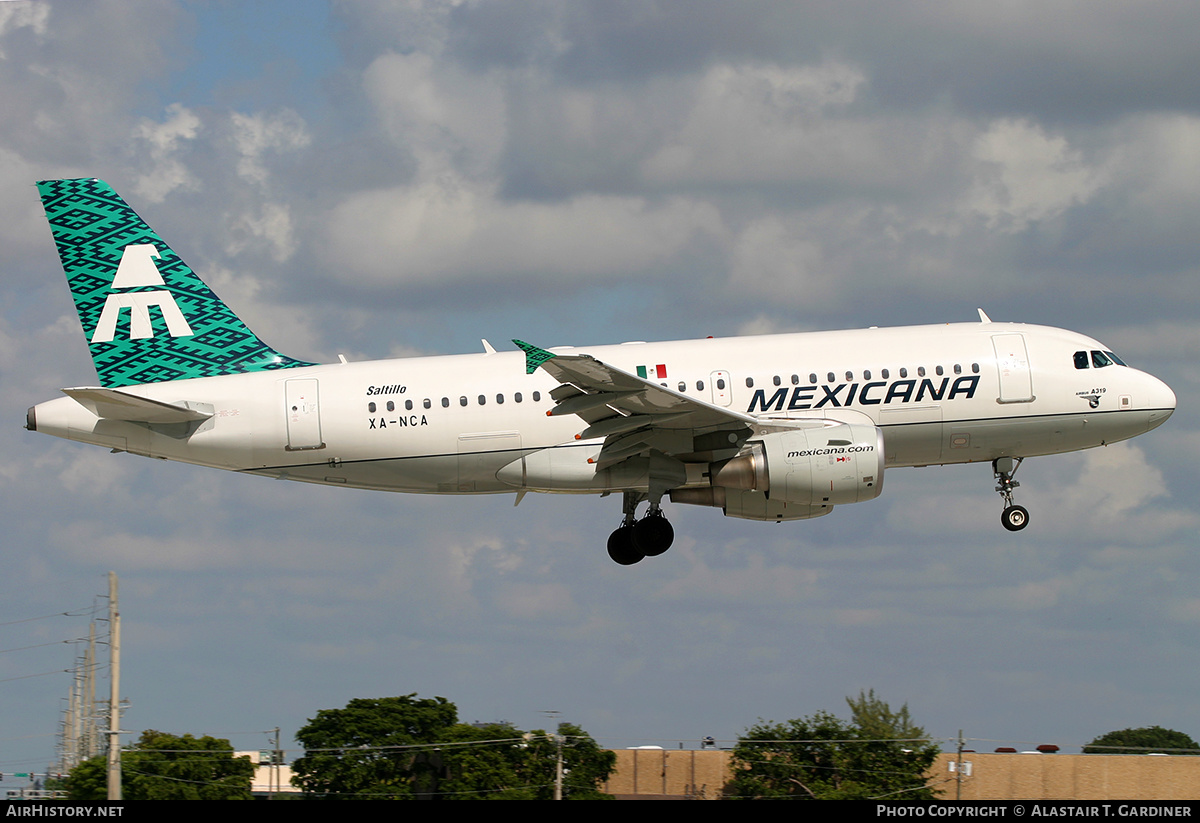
<point>952,393</point>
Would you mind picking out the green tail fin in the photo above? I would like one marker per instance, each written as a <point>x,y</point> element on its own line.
<point>147,316</point>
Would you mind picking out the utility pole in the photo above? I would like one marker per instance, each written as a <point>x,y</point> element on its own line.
<point>276,761</point>
<point>558,771</point>
<point>958,769</point>
<point>553,714</point>
<point>114,695</point>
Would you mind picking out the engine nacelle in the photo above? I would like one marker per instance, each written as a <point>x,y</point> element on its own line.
<point>796,474</point>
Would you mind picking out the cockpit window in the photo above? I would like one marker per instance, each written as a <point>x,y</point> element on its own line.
<point>1096,359</point>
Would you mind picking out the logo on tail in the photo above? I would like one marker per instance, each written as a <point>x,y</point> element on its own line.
<point>137,269</point>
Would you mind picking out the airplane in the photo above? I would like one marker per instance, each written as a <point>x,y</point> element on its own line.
<point>770,428</point>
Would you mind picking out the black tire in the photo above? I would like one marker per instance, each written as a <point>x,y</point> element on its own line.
<point>653,535</point>
<point>1015,518</point>
<point>621,547</point>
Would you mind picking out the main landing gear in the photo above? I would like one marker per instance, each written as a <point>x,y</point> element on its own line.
<point>635,539</point>
<point>1013,517</point>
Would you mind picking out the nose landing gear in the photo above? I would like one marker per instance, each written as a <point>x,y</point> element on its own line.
<point>1013,517</point>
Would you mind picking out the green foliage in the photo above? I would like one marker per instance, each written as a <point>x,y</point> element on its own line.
<point>372,748</point>
<point>875,719</point>
<point>88,782</point>
<point>486,765</point>
<point>408,747</point>
<point>585,764</point>
<point>163,766</point>
<point>880,753</point>
<point>1142,741</point>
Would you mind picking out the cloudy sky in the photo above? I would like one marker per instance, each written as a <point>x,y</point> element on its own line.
<point>381,179</point>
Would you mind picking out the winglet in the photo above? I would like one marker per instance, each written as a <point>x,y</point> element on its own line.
<point>534,356</point>
<point>983,318</point>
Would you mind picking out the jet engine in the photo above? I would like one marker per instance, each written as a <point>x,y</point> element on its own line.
<point>795,474</point>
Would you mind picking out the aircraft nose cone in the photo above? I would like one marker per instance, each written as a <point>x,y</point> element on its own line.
<point>1160,401</point>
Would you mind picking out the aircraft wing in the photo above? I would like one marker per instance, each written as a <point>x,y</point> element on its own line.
<point>633,414</point>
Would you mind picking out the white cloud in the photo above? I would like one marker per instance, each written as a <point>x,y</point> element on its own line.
<point>448,228</point>
<point>771,255</point>
<point>754,123</point>
<point>24,14</point>
<point>255,135</point>
<point>272,223</point>
<point>1025,176</point>
<point>448,119</point>
<point>165,141</point>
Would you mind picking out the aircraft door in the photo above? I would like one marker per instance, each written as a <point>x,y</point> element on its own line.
<point>303,414</point>
<point>1012,362</point>
<point>721,393</point>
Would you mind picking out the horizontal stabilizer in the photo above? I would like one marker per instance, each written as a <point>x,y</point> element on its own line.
<point>113,404</point>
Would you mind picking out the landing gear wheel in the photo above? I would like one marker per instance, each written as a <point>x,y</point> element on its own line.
<point>653,534</point>
<point>621,548</point>
<point>1015,518</point>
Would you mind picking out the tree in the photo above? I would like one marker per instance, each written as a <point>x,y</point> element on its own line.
<point>484,762</point>
<point>875,719</point>
<point>507,764</point>
<point>373,748</point>
<point>407,747</point>
<point>163,766</point>
<point>1142,741</point>
<point>878,754</point>
<point>586,765</point>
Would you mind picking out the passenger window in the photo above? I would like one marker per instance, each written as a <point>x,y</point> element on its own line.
<point>371,408</point>
<point>1081,360</point>
<point>866,374</point>
<point>831,377</point>
<point>445,402</point>
<point>884,373</point>
<point>903,372</point>
<point>975,368</point>
<point>699,385</point>
<point>537,395</point>
<point>849,375</point>
<point>462,401</point>
<point>517,397</point>
<point>482,399</point>
<point>812,378</point>
<point>721,383</point>
<point>428,403</point>
<point>408,405</point>
<point>920,371</point>
<point>749,382</point>
<point>940,371</point>
<point>682,386</point>
<point>795,380</point>
<point>391,406</point>
<point>499,398</point>
<point>957,369</point>
<point>776,380</point>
